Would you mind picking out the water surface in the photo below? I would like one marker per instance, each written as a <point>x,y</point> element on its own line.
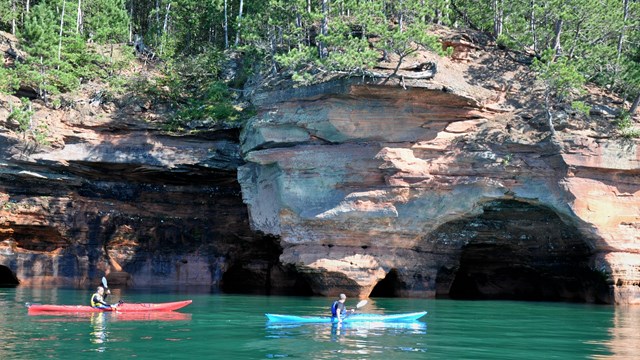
<point>234,327</point>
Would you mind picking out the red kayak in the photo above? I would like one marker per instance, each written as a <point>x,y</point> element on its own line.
<point>112,315</point>
<point>124,307</point>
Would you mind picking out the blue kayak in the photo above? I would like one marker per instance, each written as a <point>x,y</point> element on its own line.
<point>406,317</point>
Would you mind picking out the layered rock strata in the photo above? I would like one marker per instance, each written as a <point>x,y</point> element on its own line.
<point>117,196</point>
<point>399,188</point>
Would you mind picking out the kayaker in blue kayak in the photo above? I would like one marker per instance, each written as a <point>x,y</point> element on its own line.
<point>98,299</point>
<point>339,310</point>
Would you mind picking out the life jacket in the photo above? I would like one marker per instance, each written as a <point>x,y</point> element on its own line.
<point>96,300</point>
<point>334,308</point>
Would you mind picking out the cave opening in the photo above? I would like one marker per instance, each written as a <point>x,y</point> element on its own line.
<point>7,277</point>
<point>264,280</point>
<point>520,251</point>
<point>387,287</point>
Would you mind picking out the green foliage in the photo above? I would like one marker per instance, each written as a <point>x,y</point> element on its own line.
<point>581,107</point>
<point>56,62</point>
<point>106,20</point>
<point>573,42</point>
<point>22,115</point>
<point>626,126</point>
<point>9,82</point>
<point>191,86</point>
<point>6,16</point>
<point>559,74</point>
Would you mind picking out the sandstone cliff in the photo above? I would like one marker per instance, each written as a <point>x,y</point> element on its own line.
<point>449,186</point>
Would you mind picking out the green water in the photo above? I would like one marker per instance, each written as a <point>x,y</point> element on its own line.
<point>234,327</point>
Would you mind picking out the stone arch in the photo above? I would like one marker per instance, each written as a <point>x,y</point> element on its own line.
<point>7,277</point>
<point>520,251</point>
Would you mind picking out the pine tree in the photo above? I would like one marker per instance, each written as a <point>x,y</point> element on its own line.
<point>106,21</point>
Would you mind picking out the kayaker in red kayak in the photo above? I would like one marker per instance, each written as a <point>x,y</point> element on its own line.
<point>98,299</point>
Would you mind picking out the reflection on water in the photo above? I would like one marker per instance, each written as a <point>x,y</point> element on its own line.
<point>99,331</point>
<point>625,334</point>
<point>354,339</point>
<point>234,328</point>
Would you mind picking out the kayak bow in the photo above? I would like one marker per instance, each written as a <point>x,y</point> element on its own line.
<point>407,317</point>
<point>125,307</point>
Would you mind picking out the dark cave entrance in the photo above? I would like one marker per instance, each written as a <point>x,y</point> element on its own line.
<point>7,277</point>
<point>519,251</point>
<point>387,287</point>
<point>257,270</point>
<point>264,280</point>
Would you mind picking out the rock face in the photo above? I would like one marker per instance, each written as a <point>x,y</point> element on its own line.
<point>443,187</point>
<point>117,196</point>
<point>397,188</point>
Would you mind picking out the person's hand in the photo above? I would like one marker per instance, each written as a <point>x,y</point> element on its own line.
<point>108,292</point>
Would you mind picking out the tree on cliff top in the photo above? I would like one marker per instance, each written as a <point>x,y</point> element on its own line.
<point>562,81</point>
<point>308,38</point>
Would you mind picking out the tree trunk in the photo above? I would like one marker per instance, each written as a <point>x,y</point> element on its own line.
<point>79,18</point>
<point>324,30</point>
<point>401,17</point>
<point>625,17</point>
<point>226,26</point>
<point>634,107</point>
<point>547,105</point>
<point>239,23</point>
<point>498,17</point>
<point>576,39</point>
<point>558,30</point>
<point>64,3</point>
<point>131,23</point>
<point>158,17</point>
<point>13,17</point>
<point>166,19</point>
<point>532,26</point>
<point>165,26</point>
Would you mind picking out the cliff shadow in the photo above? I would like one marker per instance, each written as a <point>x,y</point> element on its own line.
<point>7,277</point>
<point>520,251</point>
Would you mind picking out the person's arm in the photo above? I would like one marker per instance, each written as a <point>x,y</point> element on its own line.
<point>98,299</point>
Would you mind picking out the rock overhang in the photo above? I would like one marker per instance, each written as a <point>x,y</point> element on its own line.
<point>369,169</point>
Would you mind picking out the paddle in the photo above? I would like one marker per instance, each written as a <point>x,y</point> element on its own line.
<point>360,304</point>
<point>104,283</point>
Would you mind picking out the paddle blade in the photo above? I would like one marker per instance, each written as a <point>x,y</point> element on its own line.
<point>361,304</point>
<point>104,282</point>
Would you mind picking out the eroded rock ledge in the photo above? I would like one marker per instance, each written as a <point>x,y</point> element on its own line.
<point>421,190</point>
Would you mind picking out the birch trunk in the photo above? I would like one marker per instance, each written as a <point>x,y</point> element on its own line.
<point>625,17</point>
<point>64,3</point>
<point>324,29</point>
<point>13,17</point>
<point>557,47</point>
<point>226,26</point>
<point>239,23</point>
<point>79,18</point>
